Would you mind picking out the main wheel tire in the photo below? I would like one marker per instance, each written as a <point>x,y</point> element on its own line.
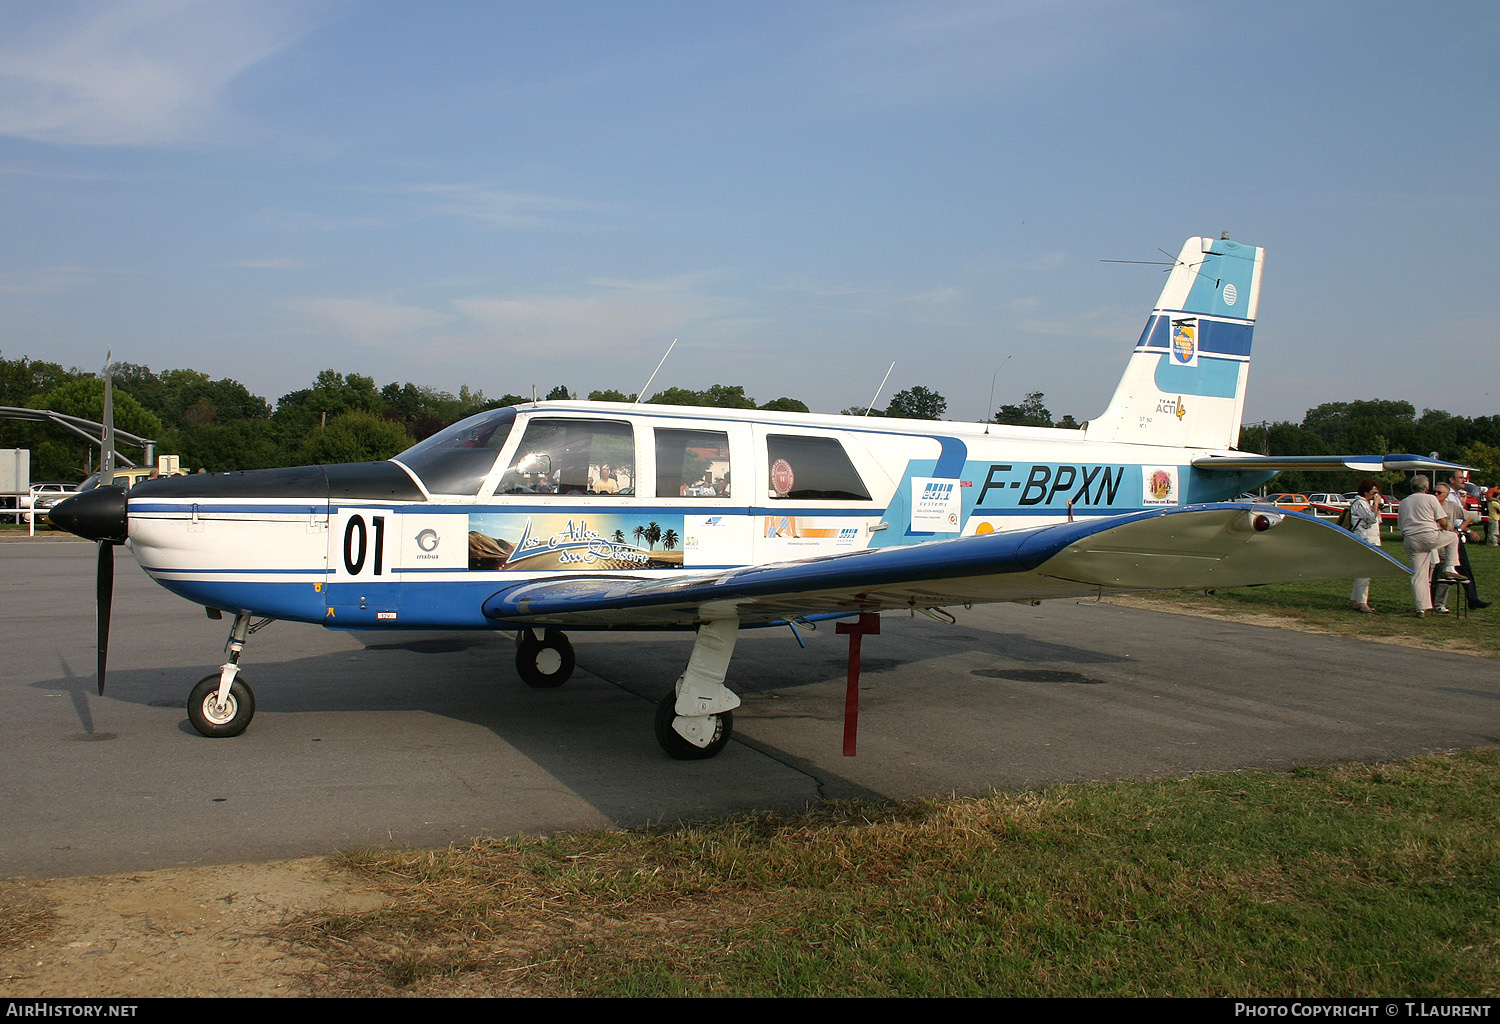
<point>680,749</point>
<point>210,719</point>
<point>547,662</point>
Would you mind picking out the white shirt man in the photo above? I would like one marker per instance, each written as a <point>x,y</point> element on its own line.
<point>1426,534</point>
<point>1364,523</point>
<point>1456,501</point>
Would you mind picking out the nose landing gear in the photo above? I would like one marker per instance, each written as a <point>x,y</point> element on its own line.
<point>223,704</point>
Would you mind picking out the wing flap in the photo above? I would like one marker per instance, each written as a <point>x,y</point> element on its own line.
<point>1180,548</point>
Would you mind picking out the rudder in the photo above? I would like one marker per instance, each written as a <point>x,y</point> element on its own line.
<point>1185,382</point>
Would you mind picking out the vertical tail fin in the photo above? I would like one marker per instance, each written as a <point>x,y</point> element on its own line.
<point>1185,382</point>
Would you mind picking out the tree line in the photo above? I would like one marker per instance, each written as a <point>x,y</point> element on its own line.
<point>1376,427</point>
<point>220,425</point>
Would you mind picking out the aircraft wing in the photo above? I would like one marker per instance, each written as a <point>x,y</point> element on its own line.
<point>1315,463</point>
<point>1191,547</point>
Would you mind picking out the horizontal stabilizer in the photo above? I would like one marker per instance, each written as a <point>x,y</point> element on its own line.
<point>1332,463</point>
<point>1224,545</point>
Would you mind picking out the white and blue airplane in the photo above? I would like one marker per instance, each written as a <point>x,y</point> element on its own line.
<point>555,516</point>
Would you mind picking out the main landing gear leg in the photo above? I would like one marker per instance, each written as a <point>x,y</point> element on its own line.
<point>223,704</point>
<point>694,720</point>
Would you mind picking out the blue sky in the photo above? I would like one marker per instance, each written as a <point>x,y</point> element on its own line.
<point>505,195</point>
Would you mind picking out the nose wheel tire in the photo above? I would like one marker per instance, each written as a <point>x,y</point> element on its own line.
<point>212,719</point>
<point>680,749</point>
<point>544,662</point>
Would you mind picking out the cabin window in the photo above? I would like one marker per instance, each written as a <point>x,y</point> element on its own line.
<point>692,464</point>
<point>457,459</point>
<point>572,456</point>
<point>803,468</point>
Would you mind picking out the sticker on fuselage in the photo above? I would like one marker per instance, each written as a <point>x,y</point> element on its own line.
<point>808,532</point>
<point>935,505</point>
<point>1159,485</point>
<point>362,544</point>
<point>783,479</point>
<point>431,541</point>
<point>1185,342</point>
<point>577,541</point>
<point>716,540</point>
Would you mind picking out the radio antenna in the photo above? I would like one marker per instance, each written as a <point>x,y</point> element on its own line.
<point>879,389</point>
<point>989,411</point>
<point>642,393</point>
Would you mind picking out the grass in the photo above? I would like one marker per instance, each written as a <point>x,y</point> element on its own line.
<point>1331,882</point>
<point>1323,606</point>
<point>24,916</point>
<point>10,526</point>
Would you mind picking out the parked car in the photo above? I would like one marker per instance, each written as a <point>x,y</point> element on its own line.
<point>43,496</point>
<point>123,476</point>
<point>1327,504</point>
<point>1291,502</point>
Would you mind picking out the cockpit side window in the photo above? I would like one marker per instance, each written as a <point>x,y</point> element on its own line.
<point>456,460</point>
<point>692,463</point>
<point>572,456</point>
<point>808,468</point>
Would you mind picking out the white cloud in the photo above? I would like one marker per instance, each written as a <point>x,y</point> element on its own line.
<point>917,52</point>
<point>617,315</point>
<point>1113,325</point>
<point>143,72</point>
<point>471,202</point>
<point>611,312</point>
<point>826,291</point>
<point>373,322</point>
<point>272,263</point>
<point>282,219</point>
<point>48,281</point>
<point>477,202</point>
<point>940,295</point>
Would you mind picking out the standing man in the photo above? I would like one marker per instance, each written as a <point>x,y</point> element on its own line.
<point>1426,535</point>
<point>1459,517</point>
<point>1364,523</point>
<point>1492,536</point>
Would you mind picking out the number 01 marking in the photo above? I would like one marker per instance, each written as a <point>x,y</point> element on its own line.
<point>357,543</point>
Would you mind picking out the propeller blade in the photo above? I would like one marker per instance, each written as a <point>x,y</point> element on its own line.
<point>107,437</point>
<point>104,592</point>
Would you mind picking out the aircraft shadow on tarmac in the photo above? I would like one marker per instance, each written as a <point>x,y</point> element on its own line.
<point>598,723</point>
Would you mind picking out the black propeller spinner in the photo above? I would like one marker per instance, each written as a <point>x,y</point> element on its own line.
<point>97,515</point>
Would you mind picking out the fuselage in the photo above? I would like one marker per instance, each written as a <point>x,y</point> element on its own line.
<point>571,488</point>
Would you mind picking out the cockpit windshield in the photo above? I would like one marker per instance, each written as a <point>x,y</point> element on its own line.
<point>456,460</point>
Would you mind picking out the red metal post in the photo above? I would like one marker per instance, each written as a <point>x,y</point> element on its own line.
<point>868,623</point>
